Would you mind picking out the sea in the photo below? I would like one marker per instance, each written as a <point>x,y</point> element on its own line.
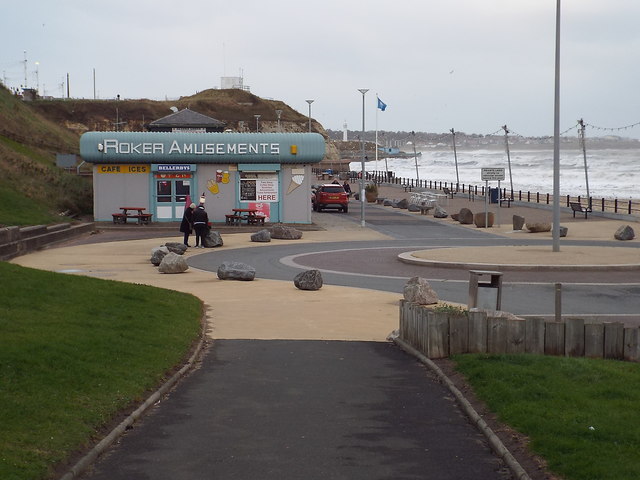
<point>610,173</point>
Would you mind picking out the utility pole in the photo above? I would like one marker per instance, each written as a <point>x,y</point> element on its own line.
<point>581,135</point>
<point>455,157</point>
<point>506,143</point>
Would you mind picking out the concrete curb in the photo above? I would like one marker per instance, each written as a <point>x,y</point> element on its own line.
<point>407,257</point>
<point>88,459</point>
<point>496,444</point>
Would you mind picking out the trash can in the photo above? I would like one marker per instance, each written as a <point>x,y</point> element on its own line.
<point>494,195</point>
<point>485,293</point>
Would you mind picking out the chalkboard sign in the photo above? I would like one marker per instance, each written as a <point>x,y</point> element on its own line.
<point>247,190</point>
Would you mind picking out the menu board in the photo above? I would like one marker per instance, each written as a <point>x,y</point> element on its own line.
<point>247,190</point>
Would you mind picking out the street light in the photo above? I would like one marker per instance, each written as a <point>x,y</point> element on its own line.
<point>309,102</point>
<point>257,124</point>
<point>278,113</point>
<point>415,157</point>
<point>363,91</point>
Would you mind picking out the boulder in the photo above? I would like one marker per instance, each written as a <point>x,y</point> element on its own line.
<point>413,207</point>
<point>212,240</point>
<point>538,227</point>
<point>263,236</point>
<point>404,203</point>
<point>387,202</point>
<point>455,217</point>
<point>308,280</point>
<point>283,232</point>
<point>236,271</point>
<point>518,222</point>
<point>479,219</point>
<point>625,232</point>
<point>176,247</point>
<point>465,216</point>
<point>173,263</point>
<point>440,212</point>
<point>417,290</point>
<point>157,254</point>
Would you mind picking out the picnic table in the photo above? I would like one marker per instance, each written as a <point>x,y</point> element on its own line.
<point>139,214</point>
<point>250,215</point>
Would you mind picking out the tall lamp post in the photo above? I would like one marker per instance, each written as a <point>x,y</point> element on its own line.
<point>455,157</point>
<point>556,140</point>
<point>257,123</point>
<point>309,102</point>
<point>278,113</point>
<point>363,91</point>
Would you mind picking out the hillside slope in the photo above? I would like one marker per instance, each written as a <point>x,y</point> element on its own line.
<point>32,189</point>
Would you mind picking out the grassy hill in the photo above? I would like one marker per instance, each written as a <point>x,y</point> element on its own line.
<point>32,189</point>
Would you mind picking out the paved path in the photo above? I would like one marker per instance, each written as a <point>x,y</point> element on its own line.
<point>287,410</point>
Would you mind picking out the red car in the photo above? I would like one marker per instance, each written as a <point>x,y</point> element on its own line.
<point>330,196</point>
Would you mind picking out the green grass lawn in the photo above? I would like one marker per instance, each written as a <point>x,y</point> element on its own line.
<point>75,351</point>
<point>582,415</point>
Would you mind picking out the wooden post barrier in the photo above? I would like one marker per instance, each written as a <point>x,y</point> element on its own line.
<point>440,334</point>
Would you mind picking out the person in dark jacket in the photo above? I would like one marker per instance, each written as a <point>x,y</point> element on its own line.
<point>200,224</point>
<point>186,226</point>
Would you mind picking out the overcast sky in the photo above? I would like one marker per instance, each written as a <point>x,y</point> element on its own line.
<point>472,65</point>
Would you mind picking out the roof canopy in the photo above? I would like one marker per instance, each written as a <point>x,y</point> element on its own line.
<point>185,119</point>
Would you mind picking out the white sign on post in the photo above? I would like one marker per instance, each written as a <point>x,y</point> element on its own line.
<point>492,174</point>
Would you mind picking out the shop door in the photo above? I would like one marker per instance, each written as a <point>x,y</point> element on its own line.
<point>171,196</point>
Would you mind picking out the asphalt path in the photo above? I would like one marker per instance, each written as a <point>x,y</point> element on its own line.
<point>374,265</point>
<point>291,410</point>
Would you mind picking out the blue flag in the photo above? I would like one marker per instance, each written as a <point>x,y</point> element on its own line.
<point>381,105</point>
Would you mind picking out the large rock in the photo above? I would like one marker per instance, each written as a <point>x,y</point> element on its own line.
<point>176,247</point>
<point>479,219</point>
<point>418,290</point>
<point>308,280</point>
<point>404,203</point>
<point>387,202</point>
<point>413,207</point>
<point>212,239</point>
<point>465,216</point>
<point>263,236</point>
<point>283,232</point>
<point>562,231</point>
<point>157,254</point>
<point>625,232</point>
<point>538,227</point>
<point>440,212</point>
<point>236,271</point>
<point>518,222</point>
<point>173,263</point>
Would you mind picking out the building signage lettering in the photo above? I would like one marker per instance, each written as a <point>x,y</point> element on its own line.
<point>113,146</point>
<point>174,168</point>
<point>123,168</point>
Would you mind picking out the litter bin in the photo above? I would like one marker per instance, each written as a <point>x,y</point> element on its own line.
<point>494,195</point>
<point>485,293</point>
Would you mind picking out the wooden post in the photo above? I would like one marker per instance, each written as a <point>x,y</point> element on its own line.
<point>614,340</point>
<point>574,337</point>
<point>594,340</point>
<point>554,338</point>
<point>458,334</point>
<point>437,335</point>
<point>632,344</point>
<point>496,335</point>
<point>534,336</point>
<point>516,332</point>
<point>477,332</point>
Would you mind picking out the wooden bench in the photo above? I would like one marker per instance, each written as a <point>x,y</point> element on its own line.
<point>577,207</point>
<point>119,218</point>
<point>505,199</point>
<point>255,219</point>
<point>232,219</point>
<point>407,187</point>
<point>141,218</point>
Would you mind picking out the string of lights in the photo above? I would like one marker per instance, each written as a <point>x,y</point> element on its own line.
<point>613,129</point>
